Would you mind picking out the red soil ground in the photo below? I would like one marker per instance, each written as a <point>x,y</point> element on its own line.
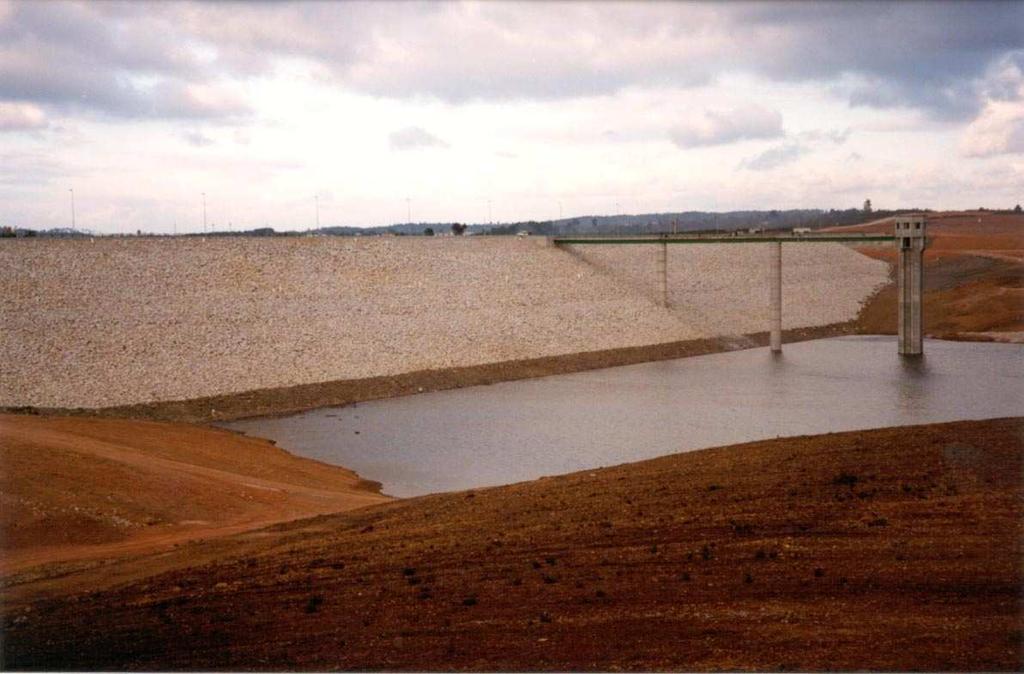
<point>892,549</point>
<point>974,278</point>
<point>135,544</point>
<point>80,488</point>
<point>985,233</point>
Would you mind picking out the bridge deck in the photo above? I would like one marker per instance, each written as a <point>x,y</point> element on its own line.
<point>718,238</point>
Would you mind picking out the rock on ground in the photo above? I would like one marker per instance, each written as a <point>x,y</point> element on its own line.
<point>93,323</point>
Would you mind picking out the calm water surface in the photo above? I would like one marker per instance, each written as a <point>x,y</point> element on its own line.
<point>520,430</point>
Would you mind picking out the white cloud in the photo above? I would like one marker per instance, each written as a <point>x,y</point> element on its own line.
<point>28,169</point>
<point>837,136</point>
<point>718,127</point>
<point>921,55</point>
<point>999,128</point>
<point>570,102</point>
<point>21,117</point>
<point>413,137</point>
<point>776,156</point>
<point>197,139</point>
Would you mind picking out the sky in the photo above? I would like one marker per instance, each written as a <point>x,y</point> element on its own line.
<point>372,114</point>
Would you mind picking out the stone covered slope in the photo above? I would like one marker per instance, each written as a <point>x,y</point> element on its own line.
<point>723,289</point>
<point>120,321</point>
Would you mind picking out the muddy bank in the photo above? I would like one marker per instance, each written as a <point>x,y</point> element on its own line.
<point>291,399</point>
<point>892,549</point>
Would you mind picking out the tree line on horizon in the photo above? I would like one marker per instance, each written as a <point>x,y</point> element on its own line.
<point>649,223</point>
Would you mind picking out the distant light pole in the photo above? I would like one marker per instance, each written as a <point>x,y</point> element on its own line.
<point>72,207</point>
<point>204,212</point>
<point>490,217</point>
<point>408,210</point>
<point>559,210</point>
<point>316,199</point>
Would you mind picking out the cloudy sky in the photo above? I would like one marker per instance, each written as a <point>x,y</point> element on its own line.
<point>474,112</point>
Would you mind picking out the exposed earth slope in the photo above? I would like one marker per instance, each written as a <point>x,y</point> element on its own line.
<point>79,488</point>
<point>999,235</point>
<point>890,549</point>
<point>973,278</point>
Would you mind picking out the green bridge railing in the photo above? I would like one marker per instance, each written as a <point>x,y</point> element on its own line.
<point>741,238</point>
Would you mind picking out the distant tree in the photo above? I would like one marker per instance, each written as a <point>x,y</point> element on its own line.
<point>429,231</point>
<point>867,205</point>
<point>7,232</point>
<point>1016,209</point>
<point>458,229</point>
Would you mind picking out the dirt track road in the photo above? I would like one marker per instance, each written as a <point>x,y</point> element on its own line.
<point>78,489</point>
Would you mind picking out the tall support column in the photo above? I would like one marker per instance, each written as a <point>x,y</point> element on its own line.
<point>775,296</point>
<point>663,263</point>
<point>910,240</point>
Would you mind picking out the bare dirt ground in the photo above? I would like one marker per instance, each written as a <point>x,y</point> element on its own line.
<point>973,278</point>
<point>984,233</point>
<point>77,489</point>
<point>131,544</point>
<point>965,297</point>
<point>893,549</point>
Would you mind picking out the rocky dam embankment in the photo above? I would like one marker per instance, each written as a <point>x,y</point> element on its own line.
<point>108,322</point>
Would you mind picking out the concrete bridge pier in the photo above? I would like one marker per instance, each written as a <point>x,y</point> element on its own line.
<point>910,242</point>
<point>663,264</point>
<point>909,239</point>
<point>775,296</point>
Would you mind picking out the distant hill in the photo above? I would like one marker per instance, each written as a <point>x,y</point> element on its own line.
<point>56,232</point>
<point>646,223</point>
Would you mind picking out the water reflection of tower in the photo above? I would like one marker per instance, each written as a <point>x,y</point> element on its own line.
<point>912,386</point>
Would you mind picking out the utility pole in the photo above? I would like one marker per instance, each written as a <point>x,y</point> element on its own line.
<point>408,210</point>
<point>204,212</point>
<point>316,198</point>
<point>490,218</point>
<point>72,207</point>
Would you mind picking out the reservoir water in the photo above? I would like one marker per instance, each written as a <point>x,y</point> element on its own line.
<point>521,430</point>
